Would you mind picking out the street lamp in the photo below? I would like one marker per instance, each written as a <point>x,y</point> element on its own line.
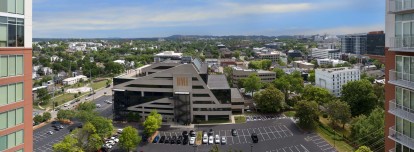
<point>251,147</point>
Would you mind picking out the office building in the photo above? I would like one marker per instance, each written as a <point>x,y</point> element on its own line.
<point>327,62</point>
<point>303,65</point>
<point>240,73</point>
<point>376,43</point>
<point>325,53</point>
<point>16,132</point>
<point>74,80</point>
<point>294,54</point>
<point>181,92</point>
<point>334,78</point>
<point>273,56</point>
<point>354,44</point>
<point>399,77</point>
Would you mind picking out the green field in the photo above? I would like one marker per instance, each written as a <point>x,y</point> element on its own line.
<point>240,119</point>
<point>289,113</point>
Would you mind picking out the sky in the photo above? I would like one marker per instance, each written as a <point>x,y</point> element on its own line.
<point>162,18</point>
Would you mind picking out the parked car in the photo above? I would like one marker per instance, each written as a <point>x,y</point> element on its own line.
<point>217,139</point>
<point>173,139</point>
<point>162,139</point>
<point>192,133</point>
<point>192,140</point>
<point>109,146</point>
<point>210,132</point>
<point>185,134</point>
<point>120,131</point>
<point>66,105</point>
<point>61,127</point>
<point>234,132</point>
<point>167,140</point>
<point>211,140</point>
<point>185,141</point>
<point>180,139</point>
<point>205,139</point>
<point>254,138</point>
<point>223,140</point>
<point>156,139</point>
<point>98,105</point>
<point>50,132</point>
<point>116,140</point>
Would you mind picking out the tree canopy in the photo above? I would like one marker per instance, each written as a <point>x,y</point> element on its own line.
<point>317,94</point>
<point>252,83</point>
<point>153,122</point>
<point>360,96</point>
<point>270,99</point>
<point>307,113</point>
<point>129,138</point>
<point>338,111</point>
<point>289,83</point>
<point>369,130</point>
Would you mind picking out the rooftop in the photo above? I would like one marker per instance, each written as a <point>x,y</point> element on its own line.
<point>235,93</point>
<point>169,53</point>
<point>217,82</point>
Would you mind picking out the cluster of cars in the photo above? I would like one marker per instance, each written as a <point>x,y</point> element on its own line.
<point>110,142</point>
<point>184,139</point>
<point>208,138</point>
<point>56,126</point>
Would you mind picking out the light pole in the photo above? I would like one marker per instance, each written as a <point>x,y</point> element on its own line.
<point>251,147</point>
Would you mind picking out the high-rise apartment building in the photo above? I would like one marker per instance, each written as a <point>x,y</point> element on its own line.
<point>334,78</point>
<point>399,96</point>
<point>354,44</point>
<point>375,43</point>
<point>16,132</point>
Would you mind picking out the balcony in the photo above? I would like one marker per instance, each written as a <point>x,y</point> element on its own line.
<point>402,44</point>
<point>401,138</point>
<point>401,79</point>
<point>400,6</point>
<point>401,111</point>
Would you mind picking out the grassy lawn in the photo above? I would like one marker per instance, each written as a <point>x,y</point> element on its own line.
<point>339,129</point>
<point>289,113</point>
<point>99,85</point>
<point>199,137</point>
<point>340,145</point>
<point>60,100</point>
<point>214,121</point>
<point>240,119</point>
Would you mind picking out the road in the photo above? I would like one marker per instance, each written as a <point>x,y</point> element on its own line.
<point>43,142</point>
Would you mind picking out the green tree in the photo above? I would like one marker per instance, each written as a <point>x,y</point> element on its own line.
<point>103,126</point>
<point>65,114</point>
<point>228,72</point>
<point>67,145</point>
<point>87,106</point>
<point>353,60</point>
<point>338,111</point>
<point>129,138</point>
<point>317,94</point>
<point>236,54</point>
<point>46,116</point>
<point>240,83</point>
<point>266,64</point>
<point>270,99</point>
<point>363,149</point>
<point>279,72</point>
<point>252,83</point>
<point>43,95</point>
<point>369,130</point>
<point>133,117</point>
<point>255,65</point>
<point>311,78</point>
<point>307,113</point>
<point>379,91</point>
<point>360,96</point>
<point>38,119</point>
<point>289,83</point>
<point>153,122</point>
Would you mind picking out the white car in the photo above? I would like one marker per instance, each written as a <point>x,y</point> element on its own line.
<point>120,130</point>
<point>211,140</point>
<point>50,132</point>
<point>98,105</point>
<point>217,139</point>
<point>108,146</point>
<point>223,140</point>
<point>192,140</point>
<point>116,140</point>
<point>112,138</point>
<point>66,105</point>
<point>108,102</point>
<point>205,139</point>
<point>111,142</point>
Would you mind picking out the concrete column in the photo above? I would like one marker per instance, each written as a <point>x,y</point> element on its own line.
<point>143,117</point>
<point>142,93</point>
<point>206,117</point>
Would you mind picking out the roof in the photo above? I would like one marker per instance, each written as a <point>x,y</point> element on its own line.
<point>235,93</point>
<point>217,82</point>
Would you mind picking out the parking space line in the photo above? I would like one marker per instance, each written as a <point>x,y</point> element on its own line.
<point>290,149</point>
<point>323,145</point>
<point>287,129</point>
<point>272,133</point>
<point>282,131</point>
<point>261,135</point>
<point>277,132</point>
<point>267,133</point>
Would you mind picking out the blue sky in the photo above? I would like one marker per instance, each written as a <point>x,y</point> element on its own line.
<point>160,18</point>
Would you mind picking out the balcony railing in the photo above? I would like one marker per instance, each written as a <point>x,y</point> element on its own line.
<point>401,111</point>
<point>400,6</point>
<point>405,80</point>
<point>402,44</point>
<point>401,138</point>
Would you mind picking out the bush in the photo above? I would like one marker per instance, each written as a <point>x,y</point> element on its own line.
<point>46,116</point>
<point>38,119</point>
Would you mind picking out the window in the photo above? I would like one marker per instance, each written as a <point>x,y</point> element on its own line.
<point>12,6</point>
<point>201,95</point>
<point>11,32</point>
<point>11,140</point>
<point>3,142</point>
<point>11,65</point>
<point>20,6</point>
<point>12,117</point>
<point>21,150</point>
<point>10,94</point>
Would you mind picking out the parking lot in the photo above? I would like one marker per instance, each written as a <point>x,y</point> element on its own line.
<point>264,117</point>
<point>43,142</point>
<point>279,134</point>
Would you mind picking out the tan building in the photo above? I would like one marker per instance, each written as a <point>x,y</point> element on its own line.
<point>303,65</point>
<point>16,132</point>
<point>239,73</point>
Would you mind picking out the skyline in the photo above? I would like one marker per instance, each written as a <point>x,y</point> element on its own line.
<point>143,19</point>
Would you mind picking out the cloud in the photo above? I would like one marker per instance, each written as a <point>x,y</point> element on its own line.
<point>139,17</point>
<point>348,29</point>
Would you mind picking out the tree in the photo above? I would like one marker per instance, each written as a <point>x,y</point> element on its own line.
<point>153,122</point>
<point>317,94</point>
<point>87,137</point>
<point>87,106</point>
<point>307,113</point>
<point>236,54</point>
<point>43,95</point>
<point>38,119</point>
<point>279,72</point>
<point>266,64</point>
<point>228,72</point>
<point>289,83</point>
<point>353,60</point>
<point>46,116</point>
<point>65,114</point>
<point>379,91</point>
<point>67,145</point>
<point>363,149</point>
<point>270,99</point>
<point>311,78</point>
<point>108,82</point>
<point>252,83</point>
<point>133,117</point>
<point>255,65</point>
<point>103,126</point>
<point>338,111</point>
<point>129,138</point>
<point>369,130</point>
<point>240,83</point>
<point>360,96</point>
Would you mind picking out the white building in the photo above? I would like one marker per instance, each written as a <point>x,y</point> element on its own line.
<point>167,55</point>
<point>55,58</point>
<point>333,78</point>
<point>325,53</point>
<point>332,62</point>
<point>74,80</point>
